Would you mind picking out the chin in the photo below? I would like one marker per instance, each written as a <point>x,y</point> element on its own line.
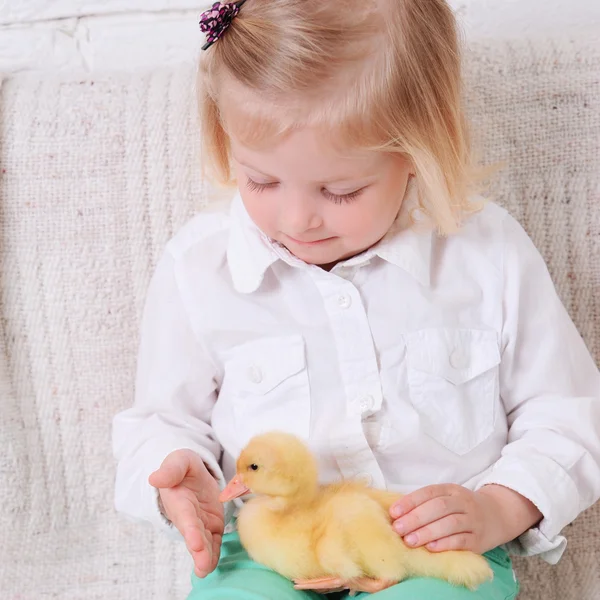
<point>321,256</point>
<point>314,259</point>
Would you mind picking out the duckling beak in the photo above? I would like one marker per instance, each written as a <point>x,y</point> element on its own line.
<point>234,489</point>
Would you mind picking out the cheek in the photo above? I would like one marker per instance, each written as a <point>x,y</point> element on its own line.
<point>254,206</point>
<point>251,200</point>
<point>357,223</point>
<point>259,209</point>
<point>366,217</point>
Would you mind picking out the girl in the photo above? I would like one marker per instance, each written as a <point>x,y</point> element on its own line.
<point>359,295</point>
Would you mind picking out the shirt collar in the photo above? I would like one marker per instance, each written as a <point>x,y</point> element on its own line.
<point>408,244</point>
<point>250,253</point>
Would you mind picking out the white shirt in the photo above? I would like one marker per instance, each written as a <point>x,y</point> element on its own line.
<point>423,360</point>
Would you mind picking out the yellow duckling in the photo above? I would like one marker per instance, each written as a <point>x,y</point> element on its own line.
<point>329,536</point>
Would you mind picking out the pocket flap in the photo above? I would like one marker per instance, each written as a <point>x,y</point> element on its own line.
<point>457,355</point>
<point>259,366</point>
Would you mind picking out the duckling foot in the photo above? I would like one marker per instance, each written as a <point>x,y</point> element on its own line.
<point>368,584</point>
<point>335,584</point>
<point>321,584</point>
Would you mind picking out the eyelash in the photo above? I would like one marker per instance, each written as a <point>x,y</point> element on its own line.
<point>337,198</point>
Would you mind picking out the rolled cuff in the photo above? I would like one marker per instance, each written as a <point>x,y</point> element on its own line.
<point>533,542</point>
<point>548,486</point>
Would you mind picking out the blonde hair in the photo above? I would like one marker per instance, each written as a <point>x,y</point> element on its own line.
<point>382,75</point>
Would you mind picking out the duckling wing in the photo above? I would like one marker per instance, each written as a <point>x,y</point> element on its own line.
<point>359,540</point>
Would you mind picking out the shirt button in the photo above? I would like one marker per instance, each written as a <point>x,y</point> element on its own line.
<point>255,374</point>
<point>344,301</point>
<point>459,359</point>
<point>366,403</point>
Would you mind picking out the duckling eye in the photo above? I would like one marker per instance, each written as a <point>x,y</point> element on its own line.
<point>254,467</point>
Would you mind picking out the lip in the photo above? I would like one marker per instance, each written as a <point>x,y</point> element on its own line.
<point>307,244</point>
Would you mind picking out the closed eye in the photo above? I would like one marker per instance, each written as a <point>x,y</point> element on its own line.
<point>254,186</point>
<point>341,198</point>
<point>259,187</point>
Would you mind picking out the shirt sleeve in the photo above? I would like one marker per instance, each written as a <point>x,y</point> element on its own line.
<point>550,387</point>
<point>174,395</point>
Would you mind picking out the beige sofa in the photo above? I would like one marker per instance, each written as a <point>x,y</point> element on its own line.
<point>96,176</point>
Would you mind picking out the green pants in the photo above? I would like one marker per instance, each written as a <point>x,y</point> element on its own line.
<point>239,578</point>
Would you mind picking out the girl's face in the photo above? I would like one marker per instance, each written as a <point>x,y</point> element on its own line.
<point>322,205</point>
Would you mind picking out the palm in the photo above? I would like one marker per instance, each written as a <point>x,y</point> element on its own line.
<point>194,508</point>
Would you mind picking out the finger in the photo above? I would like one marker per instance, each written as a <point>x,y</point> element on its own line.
<point>217,539</point>
<point>459,541</point>
<point>202,563</point>
<point>203,559</point>
<point>171,472</point>
<point>212,522</point>
<point>450,525</point>
<point>429,512</point>
<point>185,518</point>
<point>418,497</point>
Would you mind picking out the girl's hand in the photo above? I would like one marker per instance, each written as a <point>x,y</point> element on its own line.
<point>190,497</point>
<point>451,517</point>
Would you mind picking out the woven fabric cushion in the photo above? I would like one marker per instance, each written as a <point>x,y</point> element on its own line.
<point>96,176</point>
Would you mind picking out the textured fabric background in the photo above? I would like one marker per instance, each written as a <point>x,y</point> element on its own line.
<point>96,176</point>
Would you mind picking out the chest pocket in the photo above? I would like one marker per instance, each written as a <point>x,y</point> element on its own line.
<point>453,383</point>
<point>267,383</point>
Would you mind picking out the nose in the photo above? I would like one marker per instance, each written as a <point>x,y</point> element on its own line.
<point>300,213</point>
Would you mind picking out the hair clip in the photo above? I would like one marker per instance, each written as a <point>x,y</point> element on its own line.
<point>215,21</point>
